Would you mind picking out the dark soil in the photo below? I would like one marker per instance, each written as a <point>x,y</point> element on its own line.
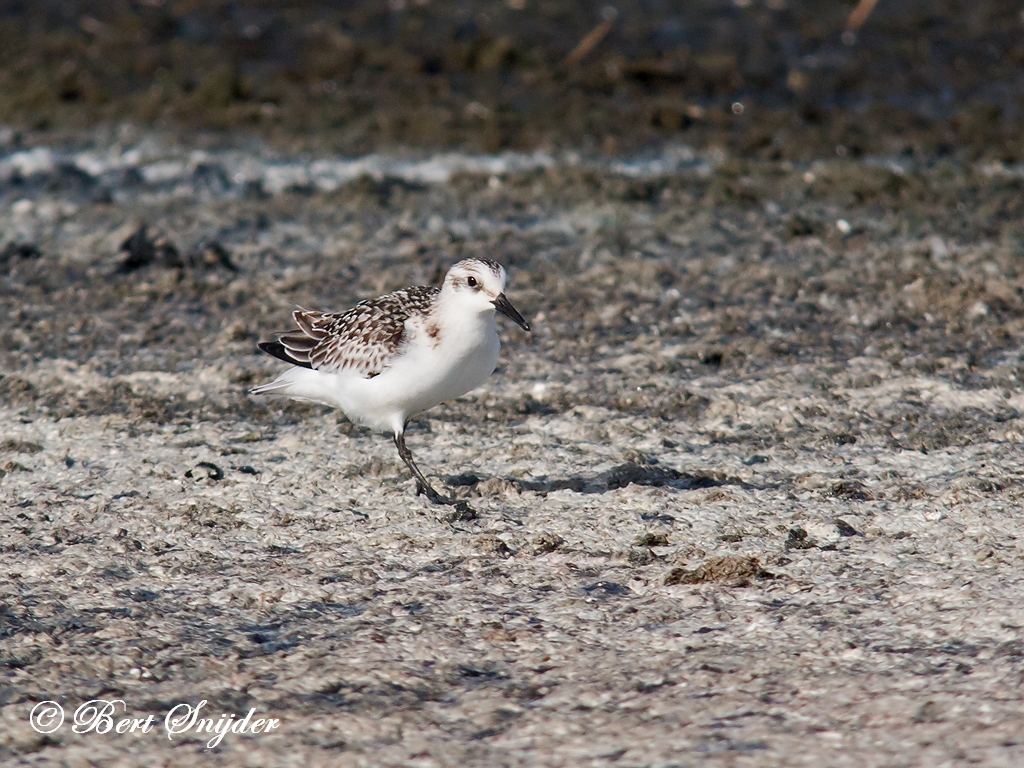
<point>926,79</point>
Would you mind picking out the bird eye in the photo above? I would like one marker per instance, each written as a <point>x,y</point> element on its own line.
<point>471,281</point>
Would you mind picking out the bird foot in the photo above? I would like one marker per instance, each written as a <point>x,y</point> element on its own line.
<point>433,496</point>
<point>462,511</point>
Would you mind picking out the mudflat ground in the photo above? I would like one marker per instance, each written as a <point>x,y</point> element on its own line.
<point>936,78</point>
<point>748,495</point>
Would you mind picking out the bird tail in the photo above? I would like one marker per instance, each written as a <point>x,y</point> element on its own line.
<point>299,384</point>
<point>288,383</point>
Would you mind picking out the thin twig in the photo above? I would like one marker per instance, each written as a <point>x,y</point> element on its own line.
<point>591,39</point>
<point>860,14</point>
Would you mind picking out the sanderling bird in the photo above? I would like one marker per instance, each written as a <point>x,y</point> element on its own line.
<point>390,358</point>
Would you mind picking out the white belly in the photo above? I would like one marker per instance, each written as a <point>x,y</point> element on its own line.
<point>423,377</point>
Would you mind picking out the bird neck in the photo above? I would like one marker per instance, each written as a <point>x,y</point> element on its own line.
<point>460,318</point>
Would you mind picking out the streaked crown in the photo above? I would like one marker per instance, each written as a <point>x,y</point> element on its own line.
<point>477,274</point>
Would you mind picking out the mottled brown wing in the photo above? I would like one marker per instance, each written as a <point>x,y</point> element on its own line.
<point>362,340</point>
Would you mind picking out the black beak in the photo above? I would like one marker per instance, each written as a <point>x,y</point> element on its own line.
<point>504,306</point>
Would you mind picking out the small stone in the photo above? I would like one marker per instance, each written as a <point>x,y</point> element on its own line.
<point>851,490</point>
<point>637,457</point>
<point>142,250</point>
<point>641,556</point>
<point>652,539</point>
<point>494,486</point>
<point>798,539</point>
<point>732,570</point>
<point>492,545</point>
<point>212,255</point>
<point>205,470</point>
<point>929,712</point>
<point>606,589</point>
<point>845,529</point>
<point>19,252</point>
<point>547,542</point>
<point>462,513</point>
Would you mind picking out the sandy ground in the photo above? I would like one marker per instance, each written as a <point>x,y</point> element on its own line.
<point>748,495</point>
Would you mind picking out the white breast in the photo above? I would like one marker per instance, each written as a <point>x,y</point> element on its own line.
<point>433,368</point>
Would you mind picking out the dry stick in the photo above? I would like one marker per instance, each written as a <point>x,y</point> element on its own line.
<point>587,44</point>
<point>860,14</point>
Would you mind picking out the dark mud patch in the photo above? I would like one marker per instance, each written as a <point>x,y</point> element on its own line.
<point>622,476</point>
<point>935,431</point>
<point>494,75</point>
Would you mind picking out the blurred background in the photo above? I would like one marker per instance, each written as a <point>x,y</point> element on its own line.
<point>776,79</point>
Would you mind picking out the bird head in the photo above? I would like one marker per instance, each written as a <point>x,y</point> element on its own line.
<point>480,283</point>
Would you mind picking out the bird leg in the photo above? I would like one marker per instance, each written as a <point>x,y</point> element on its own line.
<point>422,486</point>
